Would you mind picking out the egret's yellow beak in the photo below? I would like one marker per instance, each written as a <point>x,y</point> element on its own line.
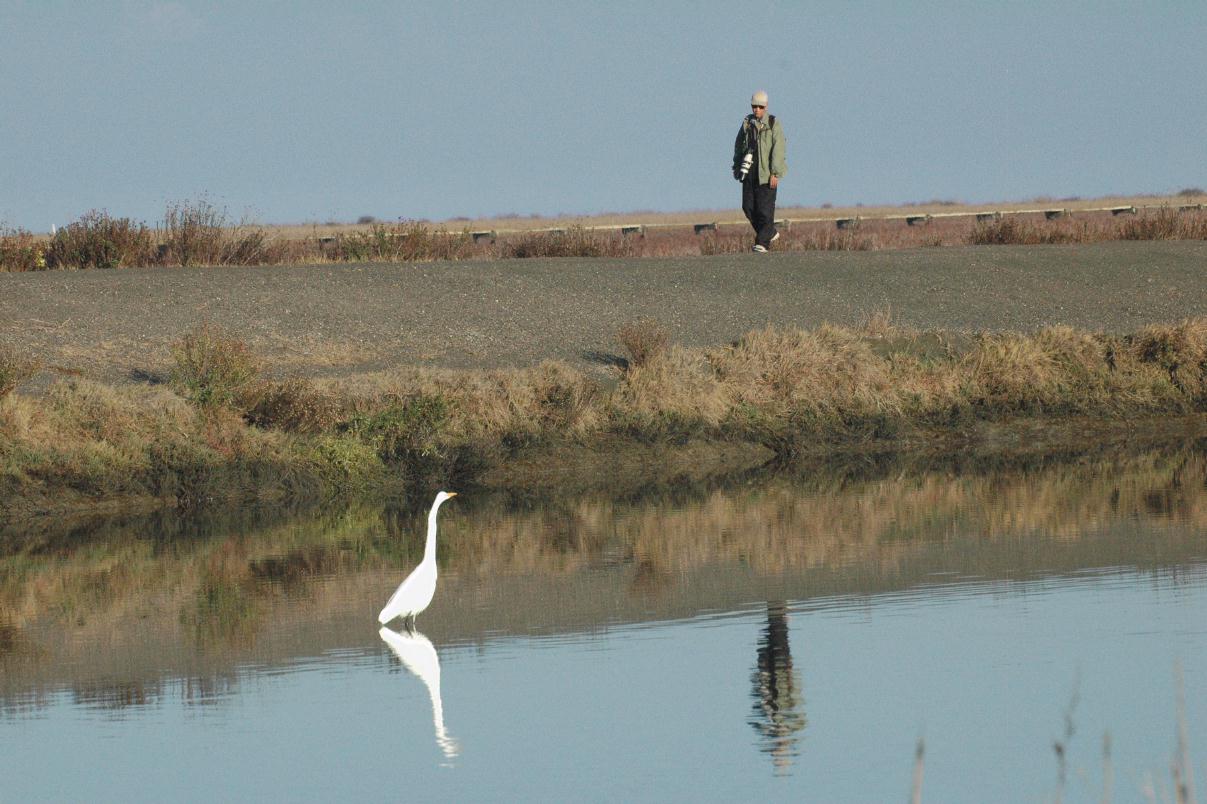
<point>452,494</point>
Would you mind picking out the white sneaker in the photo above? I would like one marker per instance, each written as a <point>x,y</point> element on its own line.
<point>760,249</point>
<point>775,237</point>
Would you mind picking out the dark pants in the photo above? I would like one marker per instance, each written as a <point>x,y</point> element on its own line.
<point>758,202</point>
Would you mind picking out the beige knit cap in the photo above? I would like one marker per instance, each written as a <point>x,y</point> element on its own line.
<point>759,98</point>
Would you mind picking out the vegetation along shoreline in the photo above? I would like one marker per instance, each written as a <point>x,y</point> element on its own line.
<point>218,430</point>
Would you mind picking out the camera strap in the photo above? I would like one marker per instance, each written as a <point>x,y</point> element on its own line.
<point>750,126</point>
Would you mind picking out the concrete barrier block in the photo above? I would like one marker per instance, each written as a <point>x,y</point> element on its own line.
<point>915,220</point>
<point>1053,214</point>
<point>1123,210</point>
<point>477,236</point>
<point>846,223</point>
<point>704,227</point>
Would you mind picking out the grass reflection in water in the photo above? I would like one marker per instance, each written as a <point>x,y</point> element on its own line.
<point>198,598</point>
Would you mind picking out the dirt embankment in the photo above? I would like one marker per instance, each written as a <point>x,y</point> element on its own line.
<point>341,320</point>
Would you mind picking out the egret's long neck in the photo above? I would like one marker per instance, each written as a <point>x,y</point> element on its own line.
<point>429,549</point>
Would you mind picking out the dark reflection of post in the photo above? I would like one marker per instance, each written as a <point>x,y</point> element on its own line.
<point>418,655</point>
<point>779,712</point>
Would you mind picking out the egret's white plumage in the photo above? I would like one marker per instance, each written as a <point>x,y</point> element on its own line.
<point>415,593</point>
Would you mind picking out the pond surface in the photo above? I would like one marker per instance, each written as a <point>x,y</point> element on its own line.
<point>767,636</point>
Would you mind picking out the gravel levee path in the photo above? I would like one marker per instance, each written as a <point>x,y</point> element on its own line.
<point>338,320</point>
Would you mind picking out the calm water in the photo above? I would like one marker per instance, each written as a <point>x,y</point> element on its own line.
<point>766,637</point>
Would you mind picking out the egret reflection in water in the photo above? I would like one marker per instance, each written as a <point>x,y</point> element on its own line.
<point>778,712</point>
<point>418,655</point>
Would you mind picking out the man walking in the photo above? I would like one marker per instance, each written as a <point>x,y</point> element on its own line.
<point>759,162</point>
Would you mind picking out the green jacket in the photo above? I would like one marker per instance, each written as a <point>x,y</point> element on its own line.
<point>773,148</point>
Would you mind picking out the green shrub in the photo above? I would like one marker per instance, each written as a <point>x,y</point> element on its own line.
<point>407,430</point>
<point>405,241</point>
<point>344,462</point>
<point>98,240</point>
<point>380,242</point>
<point>212,369</point>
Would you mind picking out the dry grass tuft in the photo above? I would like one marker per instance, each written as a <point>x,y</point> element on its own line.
<point>213,369</point>
<point>1014,230</point>
<point>1010,371</point>
<point>14,369</point>
<point>492,408</point>
<point>554,396</point>
<point>573,242</point>
<point>1063,371</point>
<point>674,397</point>
<point>1181,351</point>
<point>826,370</point>
<point>517,408</point>
<point>294,405</point>
<point>1166,224</point>
<point>405,241</point>
<point>805,238</point>
<point>828,239</point>
<point>644,339</point>
<point>878,324</point>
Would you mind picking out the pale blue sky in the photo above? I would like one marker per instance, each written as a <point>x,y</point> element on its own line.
<point>302,111</point>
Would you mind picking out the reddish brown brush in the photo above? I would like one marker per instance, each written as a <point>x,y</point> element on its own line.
<point>197,233</point>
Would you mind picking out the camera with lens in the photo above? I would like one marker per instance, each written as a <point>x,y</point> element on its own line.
<point>744,168</point>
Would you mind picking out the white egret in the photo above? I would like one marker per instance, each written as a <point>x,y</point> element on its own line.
<point>415,593</point>
<point>418,654</point>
